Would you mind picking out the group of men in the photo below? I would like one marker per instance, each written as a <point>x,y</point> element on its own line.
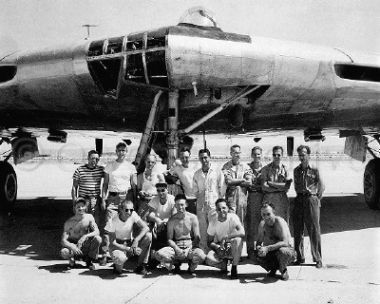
<point>215,211</point>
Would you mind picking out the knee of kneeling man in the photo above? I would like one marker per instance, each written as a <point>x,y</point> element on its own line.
<point>236,240</point>
<point>285,250</point>
<point>148,236</point>
<point>199,255</point>
<point>97,238</point>
<point>65,253</point>
<point>119,257</point>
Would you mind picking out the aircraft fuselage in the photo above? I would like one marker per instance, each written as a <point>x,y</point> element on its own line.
<point>109,84</point>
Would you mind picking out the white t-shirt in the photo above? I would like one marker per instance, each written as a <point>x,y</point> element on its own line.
<point>164,212</point>
<point>185,175</point>
<point>119,176</point>
<point>221,229</point>
<point>123,230</point>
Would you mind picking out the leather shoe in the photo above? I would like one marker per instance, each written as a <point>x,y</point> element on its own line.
<point>285,275</point>
<point>319,264</point>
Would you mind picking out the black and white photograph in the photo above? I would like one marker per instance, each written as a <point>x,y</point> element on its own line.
<point>189,151</point>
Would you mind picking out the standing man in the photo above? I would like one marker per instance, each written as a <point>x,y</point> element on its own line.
<point>147,180</point>
<point>225,235</point>
<point>117,180</point>
<point>185,175</point>
<point>123,244</point>
<point>209,186</point>
<point>309,188</point>
<point>255,199</point>
<point>80,238</point>
<point>118,177</point>
<point>86,184</point>
<point>237,178</point>
<point>275,184</point>
<point>274,251</point>
<point>183,240</point>
<point>146,186</point>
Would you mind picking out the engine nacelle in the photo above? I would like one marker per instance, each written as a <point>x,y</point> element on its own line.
<point>24,148</point>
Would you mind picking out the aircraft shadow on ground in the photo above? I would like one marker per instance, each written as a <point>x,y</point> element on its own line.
<point>34,229</point>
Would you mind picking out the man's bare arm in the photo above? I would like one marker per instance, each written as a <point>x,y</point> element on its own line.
<point>195,229</point>
<point>74,190</point>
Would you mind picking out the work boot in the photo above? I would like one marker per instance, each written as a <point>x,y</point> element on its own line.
<point>223,268</point>
<point>272,273</point>
<point>319,264</point>
<point>90,265</point>
<point>103,261</point>
<point>234,273</point>
<point>71,263</point>
<point>177,269</point>
<point>141,269</point>
<point>284,275</point>
<point>298,262</point>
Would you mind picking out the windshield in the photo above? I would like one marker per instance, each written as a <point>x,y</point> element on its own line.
<point>199,16</point>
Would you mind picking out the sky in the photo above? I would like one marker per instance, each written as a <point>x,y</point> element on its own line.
<point>348,24</point>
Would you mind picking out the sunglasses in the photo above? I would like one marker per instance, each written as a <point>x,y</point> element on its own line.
<point>278,155</point>
<point>129,210</point>
<point>161,190</point>
<point>266,214</point>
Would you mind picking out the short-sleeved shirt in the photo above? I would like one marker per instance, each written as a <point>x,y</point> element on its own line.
<point>122,230</point>
<point>185,175</point>
<point>219,230</point>
<point>306,181</point>
<point>164,212</point>
<point>235,195</point>
<point>119,176</point>
<point>89,180</point>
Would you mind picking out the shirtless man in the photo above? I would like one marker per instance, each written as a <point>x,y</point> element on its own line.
<point>80,237</point>
<point>273,245</point>
<point>182,248</point>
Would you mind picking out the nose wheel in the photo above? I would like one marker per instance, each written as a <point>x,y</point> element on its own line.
<point>8,187</point>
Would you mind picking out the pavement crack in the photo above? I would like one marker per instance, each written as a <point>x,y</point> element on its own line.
<point>143,290</point>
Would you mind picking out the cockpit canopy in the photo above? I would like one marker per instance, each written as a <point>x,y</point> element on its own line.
<point>198,16</point>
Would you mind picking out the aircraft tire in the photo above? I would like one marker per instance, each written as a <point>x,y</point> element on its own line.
<point>8,187</point>
<point>371,184</point>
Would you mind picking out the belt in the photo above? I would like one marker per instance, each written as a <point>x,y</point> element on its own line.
<point>122,241</point>
<point>255,191</point>
<point>305,194</point>
<point>116,193</point>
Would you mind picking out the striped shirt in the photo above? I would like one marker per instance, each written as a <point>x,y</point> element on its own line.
<point>89,180</point>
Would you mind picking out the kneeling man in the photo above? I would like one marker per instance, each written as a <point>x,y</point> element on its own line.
<point>182,248</point>
<point>123,247</point>
<point>80,237</point>
<point>274,251</point>
<point>225,235</point>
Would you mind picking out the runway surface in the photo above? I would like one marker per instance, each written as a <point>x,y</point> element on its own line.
<point>32,272</point>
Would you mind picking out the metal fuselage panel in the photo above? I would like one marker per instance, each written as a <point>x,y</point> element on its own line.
<point>54,87</point>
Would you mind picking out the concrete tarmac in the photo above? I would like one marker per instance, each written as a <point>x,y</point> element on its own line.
<point>32,272</point>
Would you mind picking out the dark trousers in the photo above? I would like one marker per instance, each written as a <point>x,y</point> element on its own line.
<point>192,205</point>
<point>307,213</point>
<point>278,259</point>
